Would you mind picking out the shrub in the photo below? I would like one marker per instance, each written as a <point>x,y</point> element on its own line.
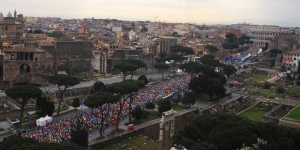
<point>280,89</point>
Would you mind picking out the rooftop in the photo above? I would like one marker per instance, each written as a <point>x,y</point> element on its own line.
<point>23,49</point>
<point>294,52</point>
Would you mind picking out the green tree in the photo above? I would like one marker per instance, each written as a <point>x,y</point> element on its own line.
<point>280,89</point>
<point>138,113</point>
<point>15,142</point>
<point>175,58</point>
<point>174,34</point>
<point>76,102</point>
<point>216,89</point>
<point>177,99</point>
<point>208,132</point>
<point>104,101</point>
<point>63,82</point>
<point>231,37</point>
<point>122,89</point>
<point>211,48</point>
<point>274,52</point>
<point>230,45</point>
<point>98,86</point>
<point>180,50</point>
<point>161,68</point>
<point>162,56</point>
<point>150,105</point>
<point>210,61</point>
<point>229,70</point>
<point>140,84</point>
<point>193,68</point>
<point>200,84</point>
<point>244,39</point>
<point>126,67</point>
<point>23,92</point>
<point>266,85</point>
<point>164,105</point>
<point>80,135</point>
<point>135,62</point>
<point>272,62</point>
<point>188,99</point>
<point>144,79</point>
<point>44,106</point>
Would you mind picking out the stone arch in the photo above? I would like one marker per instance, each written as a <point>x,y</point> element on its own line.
<point>24,68</point>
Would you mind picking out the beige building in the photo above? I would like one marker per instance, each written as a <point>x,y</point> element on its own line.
<point>31,19</point>
<point>262,34</point>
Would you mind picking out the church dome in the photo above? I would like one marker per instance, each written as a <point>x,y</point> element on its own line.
<point>9,15</point>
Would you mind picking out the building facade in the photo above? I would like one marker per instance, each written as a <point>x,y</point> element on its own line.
<point>262,34</point>
<point>11,27</point>
<point>290,59</point>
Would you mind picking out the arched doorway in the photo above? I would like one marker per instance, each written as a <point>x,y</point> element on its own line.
<point>24,69</point>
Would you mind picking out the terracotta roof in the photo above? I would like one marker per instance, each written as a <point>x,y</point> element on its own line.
<point>294,52</point>
<point>23,49</point>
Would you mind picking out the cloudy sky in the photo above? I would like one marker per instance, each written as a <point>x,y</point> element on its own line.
<point>278,12</point>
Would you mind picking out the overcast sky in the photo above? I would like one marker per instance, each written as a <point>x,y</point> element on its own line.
<point>277,12</point>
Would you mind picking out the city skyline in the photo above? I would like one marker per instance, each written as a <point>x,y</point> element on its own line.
<point>270,12</point>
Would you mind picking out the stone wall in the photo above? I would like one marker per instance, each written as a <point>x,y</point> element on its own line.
<point>151,131</point>
<point>71,56</point>
<point>289,124</point>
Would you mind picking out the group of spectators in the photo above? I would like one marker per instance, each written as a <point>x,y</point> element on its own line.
<point>60,131</point>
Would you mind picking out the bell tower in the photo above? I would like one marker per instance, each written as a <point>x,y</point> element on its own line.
<point>15,14</point>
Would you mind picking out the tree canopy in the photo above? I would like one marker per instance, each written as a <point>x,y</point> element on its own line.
<point>161,68</point>
<point>274,52</point>
<point>80,135</point>
<point>230,45</point>
<point>129,65</point>
<point>210,61</point>
<point>229,70</point>
<point>144,79</point>
<point>231,37</point>
<point>25,92</point>
<point>103,100</point>
<point>17,142</point>
<point>44,107</point>
<point>193,68</point>
<point>164,105</point>
<point>63,82</point>
<point>181,50</point>
<point>98,86</point>
<point>211,48</point>
<point>222,131</point>
<point>243,40</point>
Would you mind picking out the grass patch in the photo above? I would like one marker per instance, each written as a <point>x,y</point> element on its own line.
<point>178,107</point>
<point>259,79</point>
<point>295,114</point>
<point>136,142</point>
<point>151,116</point>
<point>255,113</point>
<point>61,109</point>
<point>67,112</point>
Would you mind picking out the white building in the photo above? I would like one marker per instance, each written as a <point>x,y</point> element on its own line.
<point>261,34</point>
<point>290,59</point>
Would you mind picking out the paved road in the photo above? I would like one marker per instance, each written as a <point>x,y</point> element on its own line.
<point>53,88</point>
